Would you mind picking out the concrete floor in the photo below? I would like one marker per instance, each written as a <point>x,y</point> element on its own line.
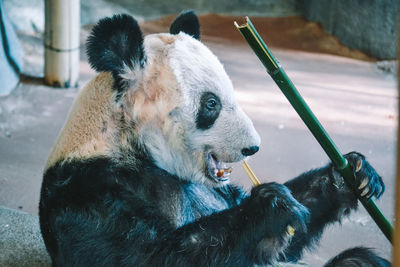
<point>354,100</point>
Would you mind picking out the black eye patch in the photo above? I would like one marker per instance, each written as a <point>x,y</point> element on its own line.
<point>210,107</point>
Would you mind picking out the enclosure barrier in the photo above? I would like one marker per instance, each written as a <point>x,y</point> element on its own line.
<point>396,242</point>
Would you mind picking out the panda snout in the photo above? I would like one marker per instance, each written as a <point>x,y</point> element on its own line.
<point>248,151</point>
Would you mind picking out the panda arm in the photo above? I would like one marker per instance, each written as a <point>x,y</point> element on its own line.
<point>324,192</point>
<point>242,235</point>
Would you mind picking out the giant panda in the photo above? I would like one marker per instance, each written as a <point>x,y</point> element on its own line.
<point>140,176</point>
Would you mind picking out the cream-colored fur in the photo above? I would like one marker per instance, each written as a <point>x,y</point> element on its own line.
<point>83,134</point>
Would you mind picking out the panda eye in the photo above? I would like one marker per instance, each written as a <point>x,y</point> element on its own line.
<point>211,103</point>
<point>208,112</point>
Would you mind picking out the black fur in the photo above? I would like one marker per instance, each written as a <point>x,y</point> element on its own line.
<point>114,43</point>
<point>329,193</point>
<point>358,257</point>
<point>186,22</point>
<point>210,107</point>
<point>98,212</point>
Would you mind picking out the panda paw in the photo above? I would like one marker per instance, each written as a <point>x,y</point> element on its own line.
<point>283,213</point>
<point>368,182</point>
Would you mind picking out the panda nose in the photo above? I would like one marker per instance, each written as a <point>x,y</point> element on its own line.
<point>250,150</point>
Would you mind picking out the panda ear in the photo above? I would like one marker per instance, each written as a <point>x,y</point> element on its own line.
<point>116,43</point>
<point>186,22</point>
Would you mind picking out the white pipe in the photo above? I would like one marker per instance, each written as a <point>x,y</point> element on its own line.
<point>62,25</point>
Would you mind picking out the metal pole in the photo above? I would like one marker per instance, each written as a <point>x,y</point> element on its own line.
<point>62,24</point>
<point>396,243</point>
<point>289,90</point>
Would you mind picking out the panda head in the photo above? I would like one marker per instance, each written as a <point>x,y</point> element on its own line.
<point>175,97</point>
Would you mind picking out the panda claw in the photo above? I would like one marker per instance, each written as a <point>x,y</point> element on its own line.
<point>363,183</point>
<point>359,165</point>
<point>364,192</point>
<point>290,230</point>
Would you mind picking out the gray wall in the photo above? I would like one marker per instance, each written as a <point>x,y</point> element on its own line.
<point>269,8</point>
<point>367,25</point>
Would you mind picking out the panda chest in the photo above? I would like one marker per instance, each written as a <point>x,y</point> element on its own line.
<point>197,201</point>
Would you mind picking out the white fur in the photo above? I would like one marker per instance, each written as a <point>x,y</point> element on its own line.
<point>131,74</point>
<point>181,148</point>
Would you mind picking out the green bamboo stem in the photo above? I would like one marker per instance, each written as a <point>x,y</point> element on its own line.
<point>289,90</point>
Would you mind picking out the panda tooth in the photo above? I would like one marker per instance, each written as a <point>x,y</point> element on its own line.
<point>228,170</point>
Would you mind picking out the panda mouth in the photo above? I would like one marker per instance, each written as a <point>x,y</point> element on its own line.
<point>218,170</point>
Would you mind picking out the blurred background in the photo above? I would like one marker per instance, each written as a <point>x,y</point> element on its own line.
<point>341,55</point>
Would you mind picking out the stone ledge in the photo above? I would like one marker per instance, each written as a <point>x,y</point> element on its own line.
<point>21,242</point>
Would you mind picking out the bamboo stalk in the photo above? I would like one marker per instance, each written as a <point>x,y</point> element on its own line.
<point>250,173</point>
<point>275,70</point>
